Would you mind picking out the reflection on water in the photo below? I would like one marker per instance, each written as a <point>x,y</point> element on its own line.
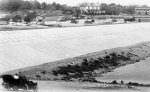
<point>138,72</point>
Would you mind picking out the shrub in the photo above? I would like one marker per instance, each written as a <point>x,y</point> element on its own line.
<point>17,18</point>
<point>28,19</point>
<point>114,82</point>
<point>80,70</point>
<point>43,72</point>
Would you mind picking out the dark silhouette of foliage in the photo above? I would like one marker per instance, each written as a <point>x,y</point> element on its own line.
<point>114,82</point>
<point>38,76</point>
<point>43,72</point>
<point>17,18</point>
<point>28,19</point>
<point>122,82</point>
<point>87,67</point>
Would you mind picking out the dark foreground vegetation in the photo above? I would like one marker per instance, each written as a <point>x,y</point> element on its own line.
<point>130,84</point>
<point>86,70</point>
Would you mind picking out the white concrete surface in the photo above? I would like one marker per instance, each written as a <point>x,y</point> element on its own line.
<point>25,48</point>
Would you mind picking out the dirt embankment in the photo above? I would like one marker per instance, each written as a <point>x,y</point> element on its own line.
<point>86,67</point>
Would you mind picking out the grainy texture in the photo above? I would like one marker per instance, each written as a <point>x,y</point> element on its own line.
<point>119,56</point>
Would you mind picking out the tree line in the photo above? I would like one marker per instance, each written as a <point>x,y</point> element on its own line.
<point>21,5</point>
<point>29,10</point>
<point>114,9</point>
<point>86,70</point>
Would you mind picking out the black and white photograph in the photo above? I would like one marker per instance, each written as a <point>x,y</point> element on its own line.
<point>74,46</point>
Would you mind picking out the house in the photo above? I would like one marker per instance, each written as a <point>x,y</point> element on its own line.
<point>3,20</point>
<point>142,14</point>
<point>90,8</point>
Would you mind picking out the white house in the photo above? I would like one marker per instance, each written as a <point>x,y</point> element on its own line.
<point>90,8</point>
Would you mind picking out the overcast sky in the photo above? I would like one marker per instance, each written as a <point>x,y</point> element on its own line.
<point>122,2</point>
<point>75,2</point>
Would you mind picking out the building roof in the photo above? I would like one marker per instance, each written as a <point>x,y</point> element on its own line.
<point>3,19</point>
<point>142,8</point>
<point>3,15</point>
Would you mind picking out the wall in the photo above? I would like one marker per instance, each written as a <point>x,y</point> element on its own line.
<point>142,19</point>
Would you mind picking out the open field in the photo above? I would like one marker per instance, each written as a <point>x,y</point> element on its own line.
<point>25,48</point>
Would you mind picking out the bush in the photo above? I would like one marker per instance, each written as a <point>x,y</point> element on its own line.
<point>114,82</point>
<point>17,18</point>
<point>28,19</point>
<point>43,72</point>
<point>90,65</point>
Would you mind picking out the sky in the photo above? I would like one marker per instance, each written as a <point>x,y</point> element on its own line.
<point>76,2</point>
<point>122,2</point>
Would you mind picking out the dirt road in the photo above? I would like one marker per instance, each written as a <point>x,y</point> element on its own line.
<point>53,86</point>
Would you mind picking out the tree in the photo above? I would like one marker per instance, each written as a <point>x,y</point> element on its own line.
<point>113,8</point>
<point>11,5</point>
<point>44,6</point>
<point>53,5</point>
<point>122,82</point>
<point>17,18</point>
<point>130,9</point>
<point>36,4</point>
<point>30,17</point>
<point>114,82</point>
<point>26,6</point>
<point>27,19</point>
<point>68,12</point>
<point>76,11</point>
<point>59,7</point>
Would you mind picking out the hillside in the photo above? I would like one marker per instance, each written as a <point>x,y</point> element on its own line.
<point>86,67</point>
